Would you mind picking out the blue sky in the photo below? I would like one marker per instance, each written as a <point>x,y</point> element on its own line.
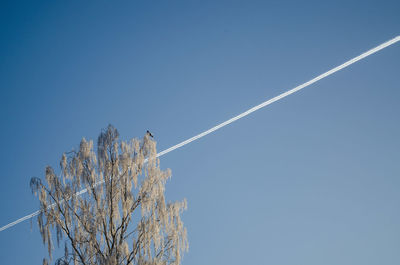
<point>312,179</point>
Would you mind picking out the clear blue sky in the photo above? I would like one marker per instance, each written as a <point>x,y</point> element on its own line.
<point>312,179</point>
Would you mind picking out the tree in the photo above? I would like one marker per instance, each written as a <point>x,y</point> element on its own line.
<point>123,217</point>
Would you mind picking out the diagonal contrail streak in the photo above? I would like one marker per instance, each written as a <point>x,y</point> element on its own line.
<point>287,93</point>
<point>241,115</point>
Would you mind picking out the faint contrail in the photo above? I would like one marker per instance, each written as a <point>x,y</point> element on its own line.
<point>247,112</point>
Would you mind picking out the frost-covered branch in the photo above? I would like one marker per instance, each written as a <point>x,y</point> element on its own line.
<point>131,198</point>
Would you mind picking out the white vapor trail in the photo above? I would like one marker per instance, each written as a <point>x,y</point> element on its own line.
<point>287,93</point>
<point>247,112</point>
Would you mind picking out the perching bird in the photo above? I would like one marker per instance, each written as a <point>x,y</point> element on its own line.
<point>149,133</point>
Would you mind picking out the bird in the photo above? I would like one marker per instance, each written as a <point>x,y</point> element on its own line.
<point>149,134</point>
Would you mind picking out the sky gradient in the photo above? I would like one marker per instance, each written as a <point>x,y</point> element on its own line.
<point>312,179</point>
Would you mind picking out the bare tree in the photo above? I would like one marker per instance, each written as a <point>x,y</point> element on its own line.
<point>123,218</point>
